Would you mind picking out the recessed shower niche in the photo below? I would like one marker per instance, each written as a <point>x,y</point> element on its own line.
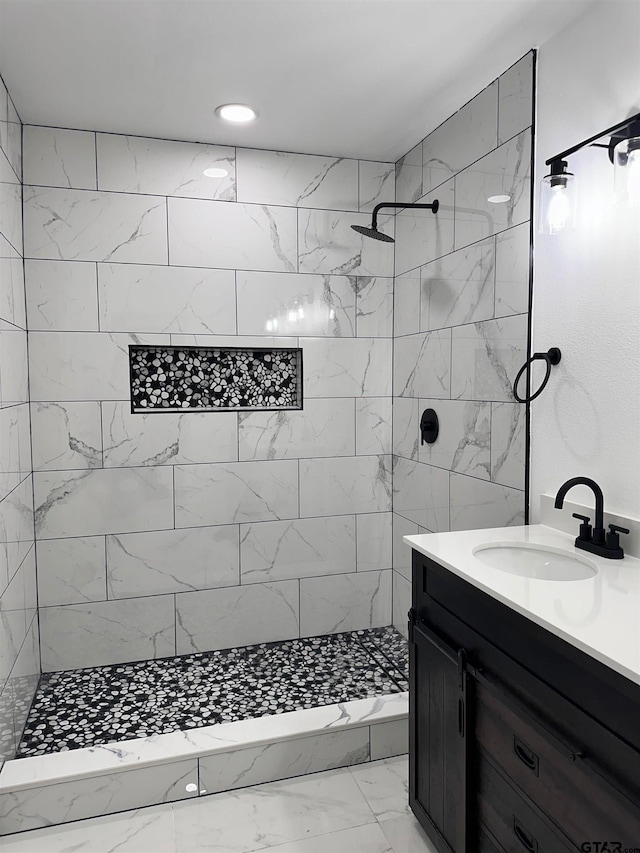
<point>171,379</point>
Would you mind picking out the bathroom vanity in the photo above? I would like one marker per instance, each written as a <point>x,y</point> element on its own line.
<point>525,696</point>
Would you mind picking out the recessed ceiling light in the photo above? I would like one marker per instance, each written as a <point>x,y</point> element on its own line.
<point>215,173</point>
<point>239,113</point>
<point>499,199</point>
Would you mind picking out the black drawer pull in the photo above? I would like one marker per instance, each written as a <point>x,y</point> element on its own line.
<point>528,841</point>
<point>528,758</point>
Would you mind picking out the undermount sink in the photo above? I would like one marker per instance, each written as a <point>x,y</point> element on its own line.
<point>534,561</point>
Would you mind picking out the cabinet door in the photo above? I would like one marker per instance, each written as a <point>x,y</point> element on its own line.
<point>438,712</point>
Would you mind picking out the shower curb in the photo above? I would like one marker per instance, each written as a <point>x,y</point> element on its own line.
<point>66,786</point>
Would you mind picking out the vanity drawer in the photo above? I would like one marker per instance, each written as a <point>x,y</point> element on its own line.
<point>516,827</point>
<point>576,798</point>
<point>486,844</point>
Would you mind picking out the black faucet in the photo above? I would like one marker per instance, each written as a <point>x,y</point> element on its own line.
<point>597,542</point>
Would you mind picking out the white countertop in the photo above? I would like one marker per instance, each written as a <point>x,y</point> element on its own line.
<point>599,615</point>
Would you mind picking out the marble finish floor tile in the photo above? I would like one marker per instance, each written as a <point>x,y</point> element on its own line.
<point>97,705</point>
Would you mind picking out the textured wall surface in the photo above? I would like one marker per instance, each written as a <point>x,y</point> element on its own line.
<point>587,423</point>
<point>460,321</point>
<point>172,533</point>
<point>19,646</point>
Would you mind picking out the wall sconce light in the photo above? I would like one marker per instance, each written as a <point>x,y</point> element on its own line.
<point>557,199</point>
<point>557,191</point>
<point>624,153</point>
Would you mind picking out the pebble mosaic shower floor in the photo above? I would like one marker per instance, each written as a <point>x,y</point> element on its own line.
<point>84,707</point>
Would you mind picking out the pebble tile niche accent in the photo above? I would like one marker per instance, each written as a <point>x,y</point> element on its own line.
<point>85,707</point>
<point>171,379</point>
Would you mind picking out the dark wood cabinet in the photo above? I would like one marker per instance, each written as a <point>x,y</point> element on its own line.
<point>518,741</point>
<point>439,701</point>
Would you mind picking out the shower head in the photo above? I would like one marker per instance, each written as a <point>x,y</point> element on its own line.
<point>373,232</point>
<point>378,235</point>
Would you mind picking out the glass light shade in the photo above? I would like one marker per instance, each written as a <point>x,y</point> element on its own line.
<point>557,204</point>
<point>626,164</point>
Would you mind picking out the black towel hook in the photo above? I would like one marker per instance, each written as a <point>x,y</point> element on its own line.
<point>552,357</point>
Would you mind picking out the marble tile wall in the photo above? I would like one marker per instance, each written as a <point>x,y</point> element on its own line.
<point>168,533</point>
<point>19,644</point>
<point>460,321</point>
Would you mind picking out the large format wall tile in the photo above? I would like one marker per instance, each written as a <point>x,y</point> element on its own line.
<point>463,443</point>
<point>401,551</point>
<point>54,157</point>
<point>409,175</point>
<point>486,358</point>
<point>66,436</point>
<point>462,139</point>
<point>15,447</point>
<point>401,602</point>
<point>134,164</point>
<point>16,529</point>
<point>406,303</point>
<point>17,609</point>
<point>343,486</point>
<point>280,550</point>
<point>10,204</point>
<point>512,271</point>
<point>515,111</point>
<point>373,425</point>
<point>327,244</point>
<point>422,235</point>
<point>97,501</point>
<point>475,504</point>
<point>143,298</point>
<point>373,538</point>
<point>421,494</point>
<point>374,313</point>
<point>24,678</point>
<point>61,296</point>
<point>71,571</point>
<point>172,561</point>
<point>458,288</point>
<point>166,438</point>
<point>422,365</point>
<point>91,226</point>
<point>406,426</point>
<point>242,236</point>
<point>81,635</point>
<point>508,444</point>
<point>301,304</point>
<point>322,428</point>
<point>238,616</point>
<point>14,387</point>
<point>344,603</point>
<point>12,305</point>
<point>505,171</point>
<point>237,492</point>
<point>376,184</point>
<point>298,180</point>
<point>347,367</point>
<point>83,365</point>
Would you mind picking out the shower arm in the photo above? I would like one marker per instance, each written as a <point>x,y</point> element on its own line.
<point>374,217</point>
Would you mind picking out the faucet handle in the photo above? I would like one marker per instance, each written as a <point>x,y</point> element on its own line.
<point>614,528</point>
<point>585,527</point>
<point>613,540</point>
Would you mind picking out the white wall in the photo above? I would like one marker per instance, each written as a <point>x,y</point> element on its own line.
<point>587,283</point>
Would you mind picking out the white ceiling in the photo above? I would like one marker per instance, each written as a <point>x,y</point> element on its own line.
<point>353,78</point>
